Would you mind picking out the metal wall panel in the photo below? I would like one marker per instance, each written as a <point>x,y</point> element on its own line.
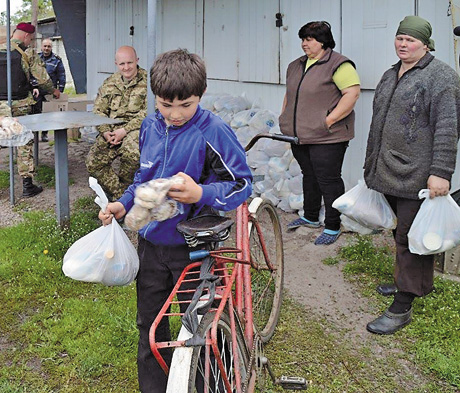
<point>296,14</point>
<point>259,41</point>
<point>177,25</point>
<point>123,22</point>
<point>369,28</point>
<point>139,39</point>
<point>220,48</point>
<point>106,37</point>
<point>352,169</point>
<point>438,13</point>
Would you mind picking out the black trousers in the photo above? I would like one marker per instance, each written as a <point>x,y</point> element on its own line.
<point>413,273</point>
<point>321,167</point>
<point>159,270</point>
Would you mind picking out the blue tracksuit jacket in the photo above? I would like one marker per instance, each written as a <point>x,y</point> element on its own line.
<point>206,149</point>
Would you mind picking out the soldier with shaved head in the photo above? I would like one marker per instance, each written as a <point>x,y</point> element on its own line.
<point>122,96</point>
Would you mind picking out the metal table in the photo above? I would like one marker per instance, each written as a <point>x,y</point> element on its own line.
<point>60,122</point>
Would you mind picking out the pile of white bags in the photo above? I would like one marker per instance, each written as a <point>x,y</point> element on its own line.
<point>277,174</point>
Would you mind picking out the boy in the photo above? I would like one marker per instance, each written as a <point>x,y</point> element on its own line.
<point>179,138</point>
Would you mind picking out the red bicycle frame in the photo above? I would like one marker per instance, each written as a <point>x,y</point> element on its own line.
<point>233,271</point>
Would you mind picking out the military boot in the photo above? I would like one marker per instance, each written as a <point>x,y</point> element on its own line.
<point>29,189</point>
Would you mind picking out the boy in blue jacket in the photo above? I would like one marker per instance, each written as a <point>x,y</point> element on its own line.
<point>179,138</point>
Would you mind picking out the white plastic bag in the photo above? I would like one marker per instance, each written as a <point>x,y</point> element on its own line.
<point>350,225</point>
<point>263,121</point>
<point>151,203</point>
<point>436,227</point>
<point>367,207</point>
<point>105,255</point>
<point>241,119</point>
<point>13,133</point>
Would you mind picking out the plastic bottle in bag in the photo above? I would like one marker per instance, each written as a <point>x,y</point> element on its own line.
<point>264,120</point>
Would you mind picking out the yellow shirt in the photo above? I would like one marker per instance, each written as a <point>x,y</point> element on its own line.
<point>345,76</point>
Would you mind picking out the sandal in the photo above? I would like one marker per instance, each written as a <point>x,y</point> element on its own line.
<point>326,238</point>
<point>303,222</point>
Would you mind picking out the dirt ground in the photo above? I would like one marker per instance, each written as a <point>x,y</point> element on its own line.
<point>321,288</point>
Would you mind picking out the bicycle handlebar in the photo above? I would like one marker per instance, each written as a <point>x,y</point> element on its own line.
<point>276,137</point>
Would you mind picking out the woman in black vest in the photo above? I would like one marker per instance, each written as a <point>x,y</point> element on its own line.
<point>322,88</point>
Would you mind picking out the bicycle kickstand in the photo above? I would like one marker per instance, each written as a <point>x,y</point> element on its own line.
<point>287,383</point>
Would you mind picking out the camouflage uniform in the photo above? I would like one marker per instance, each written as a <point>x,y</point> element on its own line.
<point>125,101</point>
<point>33,68</point>
<point>4,109</point>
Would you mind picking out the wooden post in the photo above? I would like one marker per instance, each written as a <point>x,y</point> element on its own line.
<point>34,9</point>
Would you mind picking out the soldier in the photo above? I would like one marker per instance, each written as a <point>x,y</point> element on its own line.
<point>122,96</point>
<point>4,110</point>
<point>56,71</point>
<point>25,65</point>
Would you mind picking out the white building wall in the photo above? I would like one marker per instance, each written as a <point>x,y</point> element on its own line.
<point>237,39</point>
<point>108,24</point>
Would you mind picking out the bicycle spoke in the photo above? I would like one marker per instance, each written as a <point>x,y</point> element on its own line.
<point>215,382</point>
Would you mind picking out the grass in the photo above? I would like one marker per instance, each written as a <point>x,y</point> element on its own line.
<point>46,176</point>
<point>434,336</point>
<point>57,334</point>
<point>4,180</point>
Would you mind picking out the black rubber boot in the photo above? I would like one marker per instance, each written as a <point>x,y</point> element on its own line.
<point>29,189</point>
<point>44,136</point>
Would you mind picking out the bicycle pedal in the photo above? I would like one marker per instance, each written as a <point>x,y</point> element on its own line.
<point>292,383</point>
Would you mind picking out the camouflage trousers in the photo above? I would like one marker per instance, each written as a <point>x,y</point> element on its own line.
<point>100,163</point>
<point>26,167</point>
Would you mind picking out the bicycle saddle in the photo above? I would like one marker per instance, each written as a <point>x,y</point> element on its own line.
<point>205,228</point>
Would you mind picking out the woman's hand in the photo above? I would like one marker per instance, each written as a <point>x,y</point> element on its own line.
<point>113,209</point>
<point>345,105</point>
<point>189,192</point>
<point>437,186</point>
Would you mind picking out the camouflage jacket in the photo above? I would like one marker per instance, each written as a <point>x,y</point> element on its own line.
<point>4,109</point>
<point>122,100</point>
<point>34,68</point>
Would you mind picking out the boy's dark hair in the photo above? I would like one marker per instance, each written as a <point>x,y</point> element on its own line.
<point>320,31</point>
<point>178,74</point>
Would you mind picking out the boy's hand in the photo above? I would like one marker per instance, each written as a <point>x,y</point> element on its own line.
<point>113,209</point>
<point>189,192</point>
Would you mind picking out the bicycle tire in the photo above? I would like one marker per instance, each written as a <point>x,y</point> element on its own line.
<point>195,371</point>
<point>267,285</point>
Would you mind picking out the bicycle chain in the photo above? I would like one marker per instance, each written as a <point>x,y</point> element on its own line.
<point>251,361</point>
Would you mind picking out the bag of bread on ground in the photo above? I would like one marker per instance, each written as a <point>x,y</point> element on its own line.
<point>367,207</point>
<point>151,203</point>
<point>105,255</point>
<point>436,227</point>
<point>13,133</point>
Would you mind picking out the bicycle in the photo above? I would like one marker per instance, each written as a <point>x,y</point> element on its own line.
<point>235,308</point>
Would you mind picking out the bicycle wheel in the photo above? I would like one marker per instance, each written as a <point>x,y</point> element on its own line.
<point>267,281</point>
<point>198,382</point>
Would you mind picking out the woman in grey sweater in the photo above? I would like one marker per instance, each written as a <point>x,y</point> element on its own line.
<point>412,145</point>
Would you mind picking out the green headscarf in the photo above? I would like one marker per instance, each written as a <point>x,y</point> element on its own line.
<point>418,28</point>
